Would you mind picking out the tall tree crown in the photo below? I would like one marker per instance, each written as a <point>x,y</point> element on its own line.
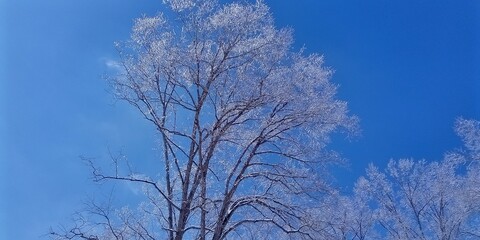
<point>243,122</point>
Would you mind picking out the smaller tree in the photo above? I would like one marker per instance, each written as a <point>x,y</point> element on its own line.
<point>422,200</point>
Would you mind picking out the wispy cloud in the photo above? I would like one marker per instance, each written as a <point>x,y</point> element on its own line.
<point>113,65</point>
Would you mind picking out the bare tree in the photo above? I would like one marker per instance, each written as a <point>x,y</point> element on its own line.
<point>243,122</point>
<point>426,200</point>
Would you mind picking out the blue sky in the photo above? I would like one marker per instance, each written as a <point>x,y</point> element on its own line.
<point>407,68</point>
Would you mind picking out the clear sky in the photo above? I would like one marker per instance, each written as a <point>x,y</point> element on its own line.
<point>407,68</point>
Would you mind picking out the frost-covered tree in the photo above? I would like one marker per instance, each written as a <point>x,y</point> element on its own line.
<point>242,121</point>
<point>425,200</point>
<point>345,217</point>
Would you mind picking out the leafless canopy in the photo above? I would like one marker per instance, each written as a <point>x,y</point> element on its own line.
<point>242,120</point>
